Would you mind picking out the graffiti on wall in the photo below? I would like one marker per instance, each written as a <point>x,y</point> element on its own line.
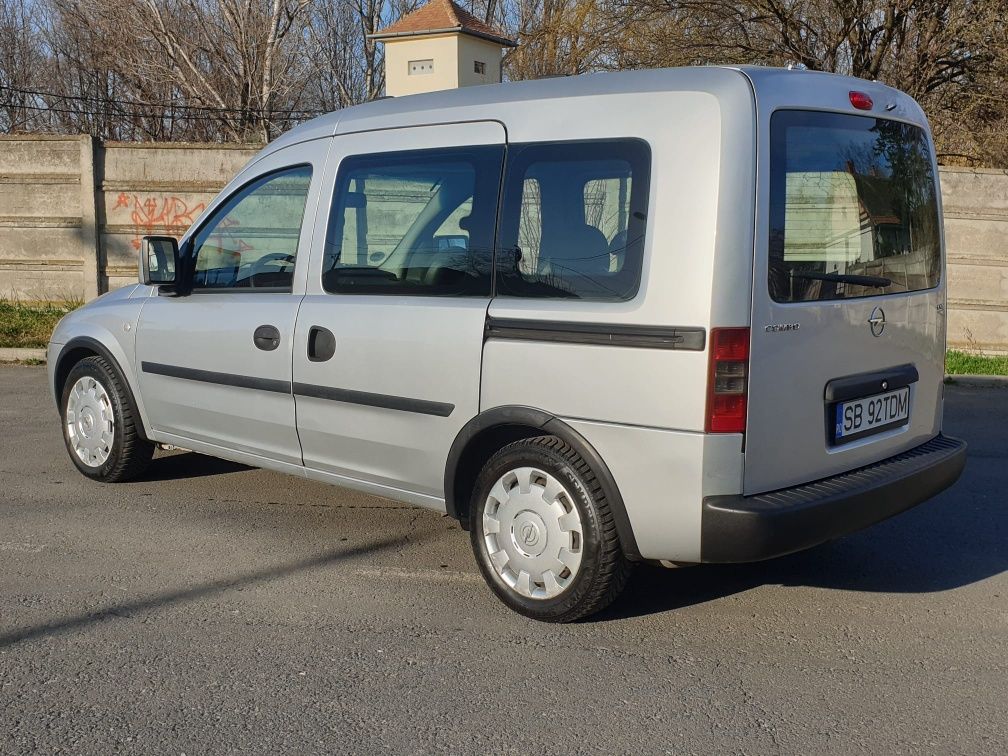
<point>151,214</point>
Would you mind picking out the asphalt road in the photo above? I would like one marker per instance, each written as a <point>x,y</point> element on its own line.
<point>214,608</point>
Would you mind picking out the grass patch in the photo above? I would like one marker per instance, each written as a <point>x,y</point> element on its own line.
<point>962,363</point>
<point>28,325</point>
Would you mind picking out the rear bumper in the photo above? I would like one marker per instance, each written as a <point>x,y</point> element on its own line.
<point>751,528</point>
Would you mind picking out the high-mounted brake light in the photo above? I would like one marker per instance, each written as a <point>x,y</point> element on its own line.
<point>861,101</point>
<point>728,381</point>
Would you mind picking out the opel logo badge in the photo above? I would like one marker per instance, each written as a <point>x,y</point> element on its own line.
<point>529,534</point>
<point>877,321</point>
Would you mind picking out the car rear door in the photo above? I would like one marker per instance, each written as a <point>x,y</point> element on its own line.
<point>848,328</point>
<point>389,337</point>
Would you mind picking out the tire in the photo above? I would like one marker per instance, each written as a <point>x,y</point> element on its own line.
<point>101,424</point>
<point>538,509</point>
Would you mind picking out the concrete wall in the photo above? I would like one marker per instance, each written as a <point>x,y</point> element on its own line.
<point>976,236</point>
<point>47,218</point>
<point>156,189</point>
<point>72,212</point>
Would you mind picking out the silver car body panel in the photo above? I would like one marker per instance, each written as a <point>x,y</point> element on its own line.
<point>642,409</point>
<point>412,348</point>
<point>111,320</point>
<point>211,332</point>
<point>785,439</point>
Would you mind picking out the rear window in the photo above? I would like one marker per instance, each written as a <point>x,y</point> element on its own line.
<point>853,208</point>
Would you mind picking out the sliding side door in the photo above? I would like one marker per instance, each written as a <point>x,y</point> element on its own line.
<point>389,338</point>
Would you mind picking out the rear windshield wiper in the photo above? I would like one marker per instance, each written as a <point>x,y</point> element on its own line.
<point>878,282</point>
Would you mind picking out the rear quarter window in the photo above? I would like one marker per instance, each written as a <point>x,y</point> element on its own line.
<point>573,219</point>
<point>853,208</point>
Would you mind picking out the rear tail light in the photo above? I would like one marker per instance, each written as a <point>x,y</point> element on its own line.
<point>728,381</point>
<point>861,101</point>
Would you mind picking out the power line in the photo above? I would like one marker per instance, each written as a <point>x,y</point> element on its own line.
<point>96,114</point>
<point>135,104</point>
<point>189,117</point>
<point>98,99</point>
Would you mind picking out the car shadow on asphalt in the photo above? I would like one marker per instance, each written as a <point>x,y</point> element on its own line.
<point>949,542</point>
<point>954,540</point>
<point>186,464</point>
<point>169,599</point>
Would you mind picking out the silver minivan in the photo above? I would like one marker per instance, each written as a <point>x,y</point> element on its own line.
<point>674,316</point>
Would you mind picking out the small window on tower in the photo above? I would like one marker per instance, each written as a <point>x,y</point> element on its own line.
<point>418,67</point>
<point>479,67</point>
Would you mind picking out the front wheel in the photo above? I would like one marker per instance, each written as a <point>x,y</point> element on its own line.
<point>100,425</point>
<point>543,534</point>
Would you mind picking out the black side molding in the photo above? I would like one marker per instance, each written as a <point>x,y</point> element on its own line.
<point>221,379</point>
<point>603,334</point>
<point>866,384</point>
<point>366,398</point>
<point>385,401</point>
<point>752,528</point>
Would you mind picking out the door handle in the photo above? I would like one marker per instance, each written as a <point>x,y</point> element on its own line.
<point>321,344</point>
<point>266,337</point>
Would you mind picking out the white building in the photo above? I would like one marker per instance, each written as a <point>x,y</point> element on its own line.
<point>440,46</point>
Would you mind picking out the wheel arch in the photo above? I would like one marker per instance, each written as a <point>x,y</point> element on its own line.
<point>493,429</point>
<point>82,347</point>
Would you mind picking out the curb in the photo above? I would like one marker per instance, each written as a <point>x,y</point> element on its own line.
<point>8,354</point>
<point>978,381</point>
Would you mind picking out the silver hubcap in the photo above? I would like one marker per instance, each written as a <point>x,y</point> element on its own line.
<point>90,422</point>
<point>533,533</point>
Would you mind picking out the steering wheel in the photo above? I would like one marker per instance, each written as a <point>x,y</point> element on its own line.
<point>259,265</point>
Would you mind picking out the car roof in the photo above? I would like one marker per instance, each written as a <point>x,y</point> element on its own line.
<point>472,103</point>
<point>496,101</point>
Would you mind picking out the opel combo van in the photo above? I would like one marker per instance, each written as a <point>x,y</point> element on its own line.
<point>675,316</point>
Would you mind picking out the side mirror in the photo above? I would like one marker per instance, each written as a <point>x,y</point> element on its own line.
<point>159,256</point>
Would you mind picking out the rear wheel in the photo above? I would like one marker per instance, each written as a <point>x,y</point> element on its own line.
<point>100,425</point>
<point>542,532</point>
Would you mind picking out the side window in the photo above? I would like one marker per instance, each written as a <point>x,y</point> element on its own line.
<point>573,220</point>
<point>419,222</point>
<point>251,240</point>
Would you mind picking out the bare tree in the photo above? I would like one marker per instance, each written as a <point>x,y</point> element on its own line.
<point>21,60</point>
<point>229,55</point>
<point>249,69</point>
<point>336,45</point>
<point>237,70</point>
<point>940,51</point>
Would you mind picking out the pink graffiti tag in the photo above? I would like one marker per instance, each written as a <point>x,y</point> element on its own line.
<point>151,213</point>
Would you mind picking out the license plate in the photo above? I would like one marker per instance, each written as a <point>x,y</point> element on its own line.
<point>871,414</point>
